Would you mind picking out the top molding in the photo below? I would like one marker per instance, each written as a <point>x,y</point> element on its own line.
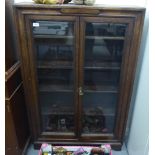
<point>96,6</point>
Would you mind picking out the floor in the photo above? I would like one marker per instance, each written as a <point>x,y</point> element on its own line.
<point>31,151</point>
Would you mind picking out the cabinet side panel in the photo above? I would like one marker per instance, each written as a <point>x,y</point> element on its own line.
<point>129,75</point>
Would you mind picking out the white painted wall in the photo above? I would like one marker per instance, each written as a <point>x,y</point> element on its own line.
<point>139,132</point>
<point>139,129</point>
<point>122,2</point>
<point>137,142</point>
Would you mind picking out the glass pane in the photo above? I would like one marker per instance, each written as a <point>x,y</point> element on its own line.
<point>54,46</point>
<point>57,112</point>
<point>102,65</point>
<point>99,112</point>
<point>55,80</point>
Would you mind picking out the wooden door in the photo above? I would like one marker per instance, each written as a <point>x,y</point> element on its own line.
<point>105,51</point>
<point>52,68</point>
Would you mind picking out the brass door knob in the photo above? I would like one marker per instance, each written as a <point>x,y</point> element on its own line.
<point>81,91</point>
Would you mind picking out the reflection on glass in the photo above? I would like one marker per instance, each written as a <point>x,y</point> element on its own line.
<point>101,80</point>
<point>105,29</point>
<point>103,57</point>
<point>50,51</point>
<point>55,80</point>
<point>99,112</point>
<point>54,42</point>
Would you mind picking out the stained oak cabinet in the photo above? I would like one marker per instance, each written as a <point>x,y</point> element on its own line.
<point>78,65</point>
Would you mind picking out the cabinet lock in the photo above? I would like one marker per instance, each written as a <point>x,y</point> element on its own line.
<point>81,91</point>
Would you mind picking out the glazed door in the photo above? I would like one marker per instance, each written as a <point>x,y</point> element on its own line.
<point>104,49</point>
<point>54,61</point>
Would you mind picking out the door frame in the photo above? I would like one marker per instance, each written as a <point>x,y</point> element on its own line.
<point>122,102</point>
<point>31,71</point>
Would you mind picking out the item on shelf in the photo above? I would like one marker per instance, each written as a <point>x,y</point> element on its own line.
<point>78,1</point>
<point>94,123</point>
<point>50,28</point>
<point>89,2</point>
<point>55,123</point>
<point>104,130</point>
<point>85,129</point>
<point>49,1</point>
<point>60,151</point>
<point>46,149</point>
<point>94,110</point>
<point>62,124</point>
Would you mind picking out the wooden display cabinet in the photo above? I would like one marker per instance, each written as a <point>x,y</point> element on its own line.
<point>78,65</point>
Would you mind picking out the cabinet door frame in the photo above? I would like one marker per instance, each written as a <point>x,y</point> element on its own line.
<point>123,100</point>
<point>28,58</point>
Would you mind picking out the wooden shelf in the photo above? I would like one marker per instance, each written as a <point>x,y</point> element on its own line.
<point>92,134</point>
<point>55,64</point>
<point>49,111</point>
<point>102,65</point>
<point>55,88</point>
<point>53,36</point>
<point>52,112</point>
<point>58,133</point>
<point>105,37</point>
<point>55,107</point>
<point>87,89</point>
<point>69,65</point>
<point>100,89</point>
<point>107,112</point>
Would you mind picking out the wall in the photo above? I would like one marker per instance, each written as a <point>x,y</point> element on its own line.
<point>139,128</point>
<point>138,123</point>
<point>122,2</point>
